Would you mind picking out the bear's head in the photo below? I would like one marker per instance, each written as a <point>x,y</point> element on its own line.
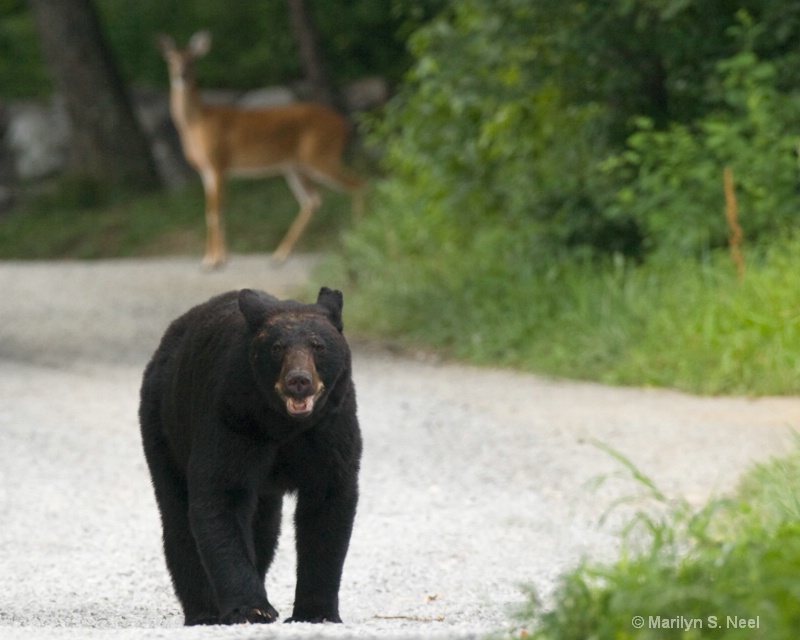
<point>297,351</point>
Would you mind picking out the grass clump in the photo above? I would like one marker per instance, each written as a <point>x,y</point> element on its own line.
<point>728,570</point>
<point>494,298</point>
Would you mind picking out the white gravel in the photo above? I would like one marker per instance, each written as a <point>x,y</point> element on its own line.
<point>474,481</point>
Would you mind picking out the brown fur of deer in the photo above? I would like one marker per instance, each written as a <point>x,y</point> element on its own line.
<point>304,142</point>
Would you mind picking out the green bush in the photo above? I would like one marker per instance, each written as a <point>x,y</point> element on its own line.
<point>678,323</point>
<point>505,235</point>
<point>22,70</point>
<point>673,178</point>
<point>483,138</point>
<point>253,42</point>
<point>510,118</point>
<point>699,572</point>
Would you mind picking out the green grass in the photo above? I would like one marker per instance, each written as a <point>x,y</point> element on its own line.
<point>493,301</point>
<point>72,222</point>
<point>737,557</point>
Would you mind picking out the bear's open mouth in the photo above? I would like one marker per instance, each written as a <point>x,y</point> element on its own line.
<point>301,406</point>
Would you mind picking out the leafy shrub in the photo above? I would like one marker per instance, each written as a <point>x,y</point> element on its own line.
<point>253,42</point>
<point>735,557</point>
<point>510,118</point>
<point>677,322</point>
<point>483,136</point>
<point>673,178</point>
<point>500,238</point>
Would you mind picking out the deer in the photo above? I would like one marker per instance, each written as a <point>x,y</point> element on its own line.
<point>304,142</point>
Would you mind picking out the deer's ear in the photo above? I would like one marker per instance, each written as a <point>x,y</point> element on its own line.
<point>200,43</point>
<point>165,44</point>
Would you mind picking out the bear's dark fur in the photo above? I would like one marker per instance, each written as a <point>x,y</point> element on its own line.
<point>248,398</point>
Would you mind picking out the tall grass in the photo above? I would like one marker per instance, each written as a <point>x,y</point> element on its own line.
<point>728,570</point>
<point>681,323</point>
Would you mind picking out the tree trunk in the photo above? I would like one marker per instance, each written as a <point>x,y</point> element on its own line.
<point>107,143</point>
<point>311,56</point>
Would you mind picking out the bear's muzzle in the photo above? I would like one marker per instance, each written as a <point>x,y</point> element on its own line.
<point>299,386</point>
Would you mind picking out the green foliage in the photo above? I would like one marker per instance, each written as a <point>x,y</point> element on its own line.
<point>513,224</point>
<point>251,48</point>
<point>654,57</point>
<point>253,42</point>
<point>769,495</point>
<point>673,178</point>
<point>500,124</point>
<point>482,140</point>
<point>736,557</point>
<point>649,57</point>
<point>22,72</point>
<point>665,323</point>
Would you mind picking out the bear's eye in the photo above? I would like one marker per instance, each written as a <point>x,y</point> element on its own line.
<point>277,349</point>
<point>318,346</point>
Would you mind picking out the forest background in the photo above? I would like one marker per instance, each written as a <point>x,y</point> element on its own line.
<point>547,181</point>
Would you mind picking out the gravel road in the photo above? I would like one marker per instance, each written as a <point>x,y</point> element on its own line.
<point>474,481</point>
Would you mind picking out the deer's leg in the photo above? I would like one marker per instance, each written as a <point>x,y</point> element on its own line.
<point>309,200</point>
<point>216,250</point>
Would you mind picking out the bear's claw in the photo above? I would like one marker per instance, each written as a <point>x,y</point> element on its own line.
<point>333,619</point>
<point>244,615</point>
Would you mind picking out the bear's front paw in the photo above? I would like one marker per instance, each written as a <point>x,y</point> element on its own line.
<point>315,619</point>
<point>244,615</point>
<point>202,619</point>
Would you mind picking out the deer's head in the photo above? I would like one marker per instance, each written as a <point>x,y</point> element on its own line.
<point>181,61</point>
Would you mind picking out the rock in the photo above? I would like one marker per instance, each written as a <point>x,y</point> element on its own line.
<point>221,97</point>
<point>267,97</point>
<point>37,137</point>
<point>365,94</point>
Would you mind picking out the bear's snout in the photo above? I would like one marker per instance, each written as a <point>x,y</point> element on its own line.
<point>298,382</point>
<point>299,385</point>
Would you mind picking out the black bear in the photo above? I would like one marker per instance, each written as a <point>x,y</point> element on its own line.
<point>247,398</point>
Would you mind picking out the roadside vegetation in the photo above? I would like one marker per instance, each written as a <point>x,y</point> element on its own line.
<point>727,570</point>
<point>679,323</point>
<point>548,208</point>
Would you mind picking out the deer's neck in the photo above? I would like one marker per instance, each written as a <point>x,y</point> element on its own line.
<point>184,102</point>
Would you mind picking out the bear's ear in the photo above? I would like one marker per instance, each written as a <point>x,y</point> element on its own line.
<point>333,301</point>
<point>254,307</point>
